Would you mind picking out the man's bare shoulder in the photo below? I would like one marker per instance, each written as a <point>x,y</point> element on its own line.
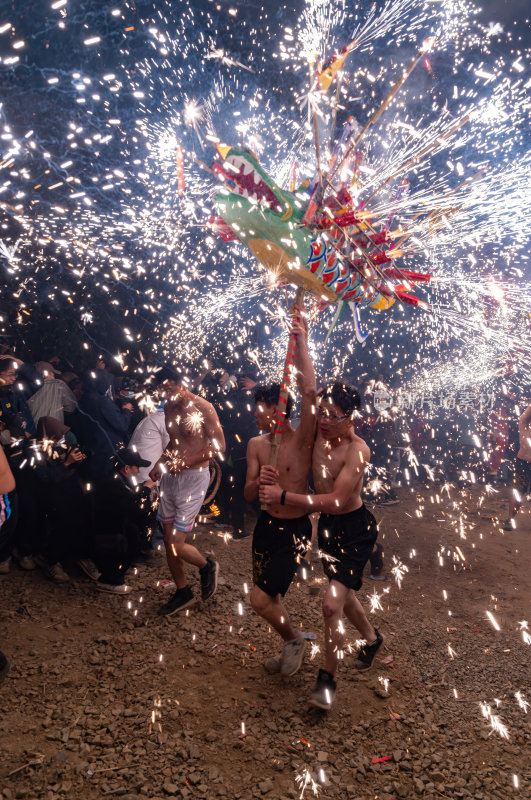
<point>202,404</point>
<point>357,445</point>
<point>260,440</point>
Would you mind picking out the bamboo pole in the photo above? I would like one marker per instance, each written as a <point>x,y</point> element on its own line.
<point>280,416</point>
<point>379,111</point>
<point>415,159</point>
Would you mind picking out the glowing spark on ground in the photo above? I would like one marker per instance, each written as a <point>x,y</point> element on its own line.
<point>305,781</point>
<point>497,726</point>
<point>398,571</point>
<point>493,621</point>
<point>522,702</point>
<point>374,600</point>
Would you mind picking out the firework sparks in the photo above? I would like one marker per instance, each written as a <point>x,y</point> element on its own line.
<point>398,571</point>
<point>305,781</point>
<point>497,726</point>
<point>522,702</point>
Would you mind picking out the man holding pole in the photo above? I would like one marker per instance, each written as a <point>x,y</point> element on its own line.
<point>282,534</point>
<point>347,530</point>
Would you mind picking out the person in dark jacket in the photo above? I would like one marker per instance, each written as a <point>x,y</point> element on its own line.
<point>122,517</point>
<point>14,411</point>
<point>99,424</point>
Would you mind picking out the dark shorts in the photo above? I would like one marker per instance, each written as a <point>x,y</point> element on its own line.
<point>522,476</point>
<point>346,542</point>
<point>278,547</point>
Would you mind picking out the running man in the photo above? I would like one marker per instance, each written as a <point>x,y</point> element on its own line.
<point>347,531</point>
<point>195,435</point>
<point>282,533</point>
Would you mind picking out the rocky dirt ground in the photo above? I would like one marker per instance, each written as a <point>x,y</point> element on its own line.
<point>107,699</point>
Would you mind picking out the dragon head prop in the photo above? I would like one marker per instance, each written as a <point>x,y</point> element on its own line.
<point>328,248</point>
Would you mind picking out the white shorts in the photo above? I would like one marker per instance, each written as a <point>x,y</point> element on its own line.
<point>181,497</point>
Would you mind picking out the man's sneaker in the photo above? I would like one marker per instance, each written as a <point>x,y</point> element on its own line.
<point>325,691</point>
<point>56,573</point>
<point>388,501</point>
<point>209,578</point>
<point>380,577</point>
<point>292,656</point>
<point>273,664</point>
<point>89,568</point>
<point>112,588</point>
<point>5,566</point>
<point>5,666</point>
<point>367,653</point>
<point>508,525</point>
<point>25,562</point>
<point>178,602</point>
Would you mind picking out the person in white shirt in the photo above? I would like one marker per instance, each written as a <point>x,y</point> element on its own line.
<point>150,438</point>
<point>53,398</point>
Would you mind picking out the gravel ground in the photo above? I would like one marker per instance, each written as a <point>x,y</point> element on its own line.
<point>106,698</point>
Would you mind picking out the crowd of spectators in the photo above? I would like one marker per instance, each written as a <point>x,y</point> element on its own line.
<point>81,447</point>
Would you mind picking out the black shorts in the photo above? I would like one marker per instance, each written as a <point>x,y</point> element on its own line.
<point>346,542</point>
<point>278,547</point>
<point>522,475</point>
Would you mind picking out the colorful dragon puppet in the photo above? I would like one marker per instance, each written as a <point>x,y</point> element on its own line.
<point>315,237</point>
<point>337,257</point>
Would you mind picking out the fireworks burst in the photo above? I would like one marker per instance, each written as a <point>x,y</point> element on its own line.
<point>124,232</point>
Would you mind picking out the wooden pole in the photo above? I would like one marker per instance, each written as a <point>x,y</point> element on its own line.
<point>379,111</point>
<point>280,416</point>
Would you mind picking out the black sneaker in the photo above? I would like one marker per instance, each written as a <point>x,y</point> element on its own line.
<point>367,653</point>
<point>325,691</point>
<point>180,600</point>
<point>209,578</point>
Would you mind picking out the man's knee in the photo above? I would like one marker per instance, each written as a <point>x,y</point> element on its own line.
<point>173,539</point>
<point>260,601</point>
<point>331,606</point>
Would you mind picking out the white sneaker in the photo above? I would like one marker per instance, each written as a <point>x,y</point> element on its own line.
<point>292,656</point>
<point>5,566</point>
<point>111,588</point>
<point>89,568</point>
<point>56,573</point>
<point>272,665</point>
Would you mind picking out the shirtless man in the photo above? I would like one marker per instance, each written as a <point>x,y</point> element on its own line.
<point>522,469</point>
<point>347,530</point>
<point>195,435</point>
<point>282,533</point>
